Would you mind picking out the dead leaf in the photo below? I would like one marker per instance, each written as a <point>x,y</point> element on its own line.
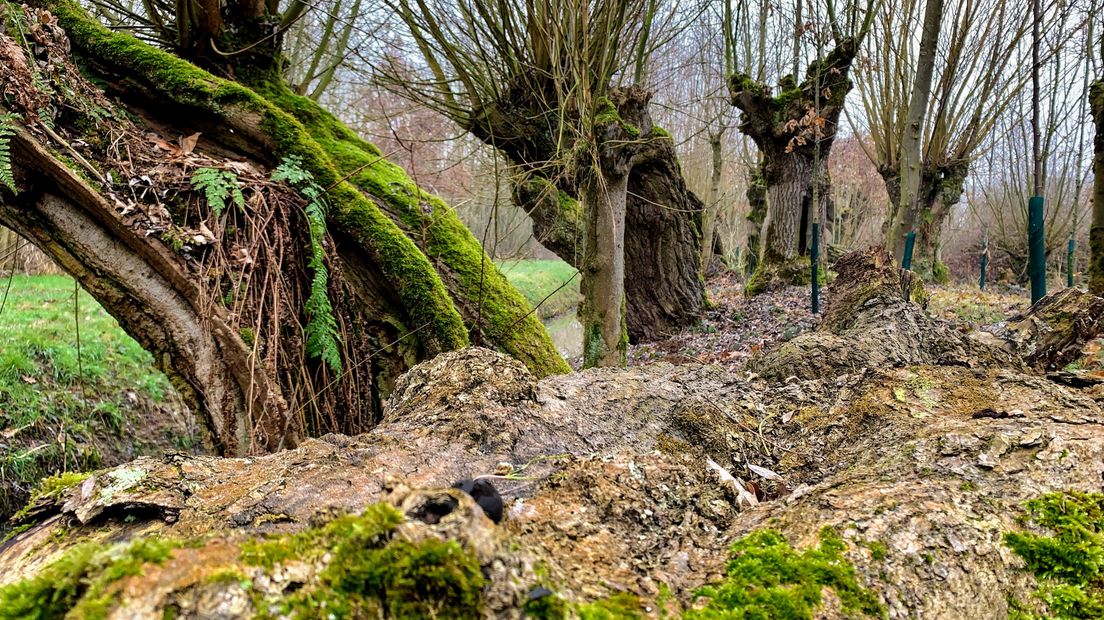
<point>28,379</point>
<point>763,472</point>
<point>188,143</point>
<point>164,146</point>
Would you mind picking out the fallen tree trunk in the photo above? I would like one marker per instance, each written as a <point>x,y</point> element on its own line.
<point>272,323</point>
<point>624,490</point>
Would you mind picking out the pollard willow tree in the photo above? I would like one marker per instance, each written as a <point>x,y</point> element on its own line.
<point>980,72</point>
<point>545,83</point>
<point>794,128</point>
<point>282,272</point>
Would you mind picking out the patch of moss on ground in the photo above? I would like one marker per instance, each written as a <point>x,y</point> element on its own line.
<point>79,584</point>
<point>767,578</point>
<point>620,606</point>
<point>370,573</point>
<point>1069,560</point>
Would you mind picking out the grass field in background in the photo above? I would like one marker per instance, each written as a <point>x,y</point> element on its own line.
<point>58,411</point>
<point>536,279</point>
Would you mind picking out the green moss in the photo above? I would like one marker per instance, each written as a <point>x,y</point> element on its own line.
<point>49,490</point>
<point>551,607</point>
<point>423,295</point>
<point>78,585</point>
<point>771,275</point>
<point>878,549</point>
<point>505,320</point>
<point>768,578</point>
<point>1069,561</point>
<point>940,272</point>
<point>371,573</point>
<point>620,606</point>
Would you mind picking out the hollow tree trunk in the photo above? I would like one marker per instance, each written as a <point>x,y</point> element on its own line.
<point>1096,233</point>
<point>664,289</point>
<point>790,129</point>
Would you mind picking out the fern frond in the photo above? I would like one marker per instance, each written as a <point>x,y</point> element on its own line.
<point>218,186</point>
<point>7,130</point>
<point>322,339</point>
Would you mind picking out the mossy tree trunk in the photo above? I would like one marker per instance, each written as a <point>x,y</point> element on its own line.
<point>605,191</point>
<point>1096,233</point>
<point>664,290</point>
<point>939,191</point>
<point>789,129</point>
<point>243,366</point>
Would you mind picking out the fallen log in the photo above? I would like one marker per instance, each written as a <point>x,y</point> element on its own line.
<point>888,491</point>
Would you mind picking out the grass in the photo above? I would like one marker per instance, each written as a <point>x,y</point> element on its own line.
<point>64,412</point>
<point>537,279</point>
<point>968,304</point>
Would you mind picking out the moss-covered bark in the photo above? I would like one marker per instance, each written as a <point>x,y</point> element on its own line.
<point>496,314</point>
<point>794,131</point>
<point>941,187</point>
<point>392,307</point>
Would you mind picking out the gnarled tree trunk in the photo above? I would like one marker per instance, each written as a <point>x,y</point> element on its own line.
<point>793,130</point>
<point>664,290</point>
<point>222,296</point>
<point>939,191</point>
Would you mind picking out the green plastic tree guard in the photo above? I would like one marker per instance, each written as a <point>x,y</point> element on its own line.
<point>814,265</point>
<point>1036,247</point>
<point>910,243</point>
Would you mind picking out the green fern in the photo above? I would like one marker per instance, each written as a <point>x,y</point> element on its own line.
<point>7,130</point>
<point>218,186</point>
<point>322,340</point>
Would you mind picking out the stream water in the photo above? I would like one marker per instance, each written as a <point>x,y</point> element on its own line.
<point>567,334</point>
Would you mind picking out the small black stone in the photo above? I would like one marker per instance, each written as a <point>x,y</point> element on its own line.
<point>485,494</point>
<point>539,592</point>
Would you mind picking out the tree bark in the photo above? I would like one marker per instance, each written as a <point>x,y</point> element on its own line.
<point>909,154</point>
<point>938,192</point>
<point>603,287</point>
<point>757,214</point>
<point>1096,233</point>
<point>788,129</point>
<point>244,365</point>
<point>709,215</point>
<point>664,288</point>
